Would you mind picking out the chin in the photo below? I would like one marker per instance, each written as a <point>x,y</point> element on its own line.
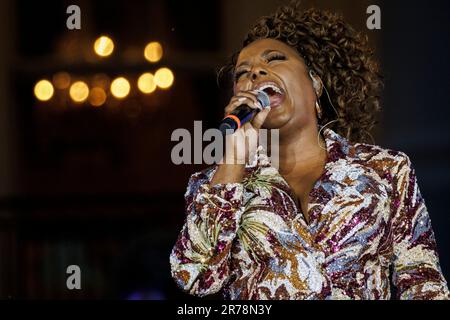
<point>277,118</point>
<point>275,122</point>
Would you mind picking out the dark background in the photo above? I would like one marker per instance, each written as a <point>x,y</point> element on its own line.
<point>96,187</point>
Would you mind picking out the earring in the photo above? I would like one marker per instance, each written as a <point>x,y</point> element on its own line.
<point>316,86</point>
<point>318,110</point>
<point>316,83</point>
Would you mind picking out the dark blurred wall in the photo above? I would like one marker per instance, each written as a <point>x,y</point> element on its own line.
<point>7,144</point>
<point>239,16</point>
<point>7,124</point>
<point>415,58</point>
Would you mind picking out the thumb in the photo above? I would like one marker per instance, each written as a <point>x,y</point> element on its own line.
<point>259,119</point>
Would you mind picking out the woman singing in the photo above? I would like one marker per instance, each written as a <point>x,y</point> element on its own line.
<point>338,218</point>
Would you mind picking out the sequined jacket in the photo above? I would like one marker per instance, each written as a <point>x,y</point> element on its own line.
<point>368,229</point>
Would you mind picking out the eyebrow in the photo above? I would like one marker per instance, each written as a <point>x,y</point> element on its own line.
<point>264,54</point>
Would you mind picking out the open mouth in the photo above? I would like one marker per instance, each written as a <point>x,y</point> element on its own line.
<point>276,94</point>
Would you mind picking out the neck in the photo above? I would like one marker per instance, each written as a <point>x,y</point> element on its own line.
<point>300,151</point>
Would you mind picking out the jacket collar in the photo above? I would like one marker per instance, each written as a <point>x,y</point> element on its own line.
<point>337,146</point>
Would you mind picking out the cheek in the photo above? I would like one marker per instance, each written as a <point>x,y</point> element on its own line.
<point>297,95</point>
<point>300,91</point>
<point>240,86</point>
<point>302,100</point>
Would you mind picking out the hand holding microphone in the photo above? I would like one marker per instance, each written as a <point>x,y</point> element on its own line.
<point>244,115</point>
<point>251,109</point>
<point>244,107</point>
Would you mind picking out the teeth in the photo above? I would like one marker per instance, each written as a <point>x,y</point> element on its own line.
<point>269,85</point>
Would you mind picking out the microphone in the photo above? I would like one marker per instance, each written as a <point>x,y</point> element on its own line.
<point>243,114</point>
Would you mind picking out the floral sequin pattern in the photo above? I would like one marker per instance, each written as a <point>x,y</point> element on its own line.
<point>368,223</point>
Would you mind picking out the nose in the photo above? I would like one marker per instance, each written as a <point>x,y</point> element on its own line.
<point>257,72</point>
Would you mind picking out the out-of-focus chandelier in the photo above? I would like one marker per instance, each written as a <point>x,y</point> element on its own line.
<point>96,89</point>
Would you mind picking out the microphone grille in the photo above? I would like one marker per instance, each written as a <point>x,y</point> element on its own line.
<point>263,98</point>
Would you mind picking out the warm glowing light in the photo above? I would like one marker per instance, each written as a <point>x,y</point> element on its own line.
<point>164,78</point>
<point>120,87</point>
<point>103,46</point>
<point>153,52</point>
<point>97,97</point>
<point>43,90</point>
<point>146,83</point>
<point>61,80</point>
<point>79,91</point>
<point>101,80</point>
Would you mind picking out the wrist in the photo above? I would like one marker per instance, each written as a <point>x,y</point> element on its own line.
<point>228,173</point>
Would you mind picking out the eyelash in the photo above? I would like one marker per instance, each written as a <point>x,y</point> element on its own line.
<point>269,59</point>
<point>276,57</point>
<point>239,74</point>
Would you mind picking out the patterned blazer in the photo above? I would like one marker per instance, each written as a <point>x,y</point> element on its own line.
<point>369,229</point>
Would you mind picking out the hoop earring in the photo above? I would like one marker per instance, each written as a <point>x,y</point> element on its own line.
<point>320,130</point>
<point>312,74</point>
<point>371,137</point>
<point>318,110</point>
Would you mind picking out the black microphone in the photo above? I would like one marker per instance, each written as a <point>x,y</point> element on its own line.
<point>243,114</point>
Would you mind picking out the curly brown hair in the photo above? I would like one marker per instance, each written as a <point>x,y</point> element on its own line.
<point>338,54</point>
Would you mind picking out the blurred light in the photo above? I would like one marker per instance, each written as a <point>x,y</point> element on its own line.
<point>61,80</point>
<point>153,52</point>
<point>101,80</point>
<point>97,97</point>
<point>120,87</point>
<point>103,46</point>
<point>43,90</point>
<point>164,78</point>
<point>146,83</point>
<point>79,91</point>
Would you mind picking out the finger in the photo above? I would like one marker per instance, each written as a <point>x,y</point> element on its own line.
<point>250,132</point>
<point>248,128</point>
<point>251,140</point>
<point>259,119</point>
<point>249,94</point>
<point>248,97</point>
<point>241,100</point>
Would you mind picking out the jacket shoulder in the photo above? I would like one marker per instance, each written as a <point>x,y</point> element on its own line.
<point>380,158</point>
<point>198,178</point>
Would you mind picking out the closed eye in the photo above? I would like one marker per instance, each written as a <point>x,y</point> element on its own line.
<point>270,58</point>
<point>276,56</point>
<point>239,74</point>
